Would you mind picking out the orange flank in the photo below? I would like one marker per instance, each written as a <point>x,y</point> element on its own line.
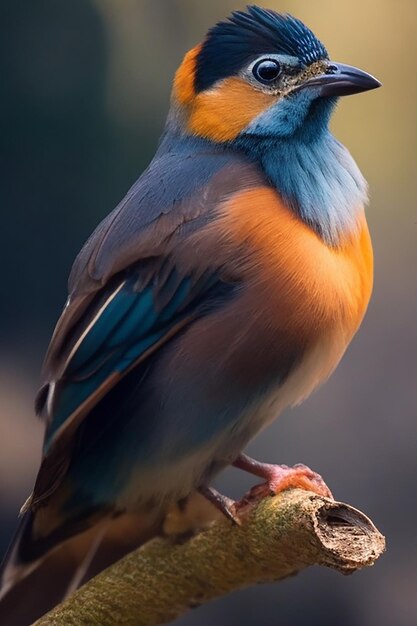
<point>302,297</point>
<point>222,112</point>
<point>292,264</point>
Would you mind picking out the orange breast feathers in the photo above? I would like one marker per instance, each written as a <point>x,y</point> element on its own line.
<point>297,281</point>
<point>222,112</point>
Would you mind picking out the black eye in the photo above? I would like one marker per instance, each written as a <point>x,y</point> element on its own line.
<point>266,71</point>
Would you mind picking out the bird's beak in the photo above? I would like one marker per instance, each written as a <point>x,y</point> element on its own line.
<point>342,80</point>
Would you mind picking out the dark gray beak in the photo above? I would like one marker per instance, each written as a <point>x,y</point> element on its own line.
<point>342,80</point>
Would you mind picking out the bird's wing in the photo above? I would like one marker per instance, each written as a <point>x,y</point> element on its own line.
<point>128,296</point>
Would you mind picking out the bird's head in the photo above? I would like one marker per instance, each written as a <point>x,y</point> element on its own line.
<point>260,74</point>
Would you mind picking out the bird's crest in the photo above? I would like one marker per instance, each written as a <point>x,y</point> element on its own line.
<point>231,44</point>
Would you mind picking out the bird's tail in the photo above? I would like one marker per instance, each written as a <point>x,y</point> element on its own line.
<point>32,584</point>
<point>12,569</point>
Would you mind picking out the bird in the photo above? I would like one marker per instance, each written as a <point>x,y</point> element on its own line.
<point>224,288</point>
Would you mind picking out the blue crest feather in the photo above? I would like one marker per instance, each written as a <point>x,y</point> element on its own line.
<point>232,44</point>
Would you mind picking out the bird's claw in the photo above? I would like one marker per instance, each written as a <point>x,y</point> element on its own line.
<point>225,505</point>
<point>282,477</point>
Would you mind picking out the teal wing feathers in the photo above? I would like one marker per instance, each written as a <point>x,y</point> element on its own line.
<point>124,328</point>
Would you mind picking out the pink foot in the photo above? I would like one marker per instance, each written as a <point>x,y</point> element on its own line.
<point>281,477</point>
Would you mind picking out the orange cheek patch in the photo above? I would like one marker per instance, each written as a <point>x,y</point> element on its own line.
<point>221,113</point>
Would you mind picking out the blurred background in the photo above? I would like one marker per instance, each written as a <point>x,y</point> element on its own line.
<point>84,92</point>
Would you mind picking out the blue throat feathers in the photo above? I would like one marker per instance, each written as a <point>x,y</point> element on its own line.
<point>320,182</point>
<point>312,171</point>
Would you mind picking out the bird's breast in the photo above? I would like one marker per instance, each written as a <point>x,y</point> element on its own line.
<point>301,300</point>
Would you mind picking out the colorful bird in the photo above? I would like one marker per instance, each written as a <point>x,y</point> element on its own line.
<point>224,288</point>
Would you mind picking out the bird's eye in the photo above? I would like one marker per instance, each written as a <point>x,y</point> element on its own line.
<point>266,71</point>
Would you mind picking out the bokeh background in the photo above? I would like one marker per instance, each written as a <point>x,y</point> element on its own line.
<point>84,91</point>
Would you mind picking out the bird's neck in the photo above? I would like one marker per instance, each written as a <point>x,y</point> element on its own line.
<point>312,171</point>
<point>316,177</point>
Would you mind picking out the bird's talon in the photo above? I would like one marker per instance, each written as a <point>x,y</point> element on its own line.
<point>281,477</point>
<point>225,505</point>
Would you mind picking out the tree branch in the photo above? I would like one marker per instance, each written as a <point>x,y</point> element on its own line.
<point>279,537</point>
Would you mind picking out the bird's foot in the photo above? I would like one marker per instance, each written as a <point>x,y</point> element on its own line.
<point>281,477</point>
<point>278,478</point>
<point>225,505</point>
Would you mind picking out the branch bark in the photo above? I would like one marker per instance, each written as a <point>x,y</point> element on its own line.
<point>279,537</point>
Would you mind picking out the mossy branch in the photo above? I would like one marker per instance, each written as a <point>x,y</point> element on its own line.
<point>279,536</point>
